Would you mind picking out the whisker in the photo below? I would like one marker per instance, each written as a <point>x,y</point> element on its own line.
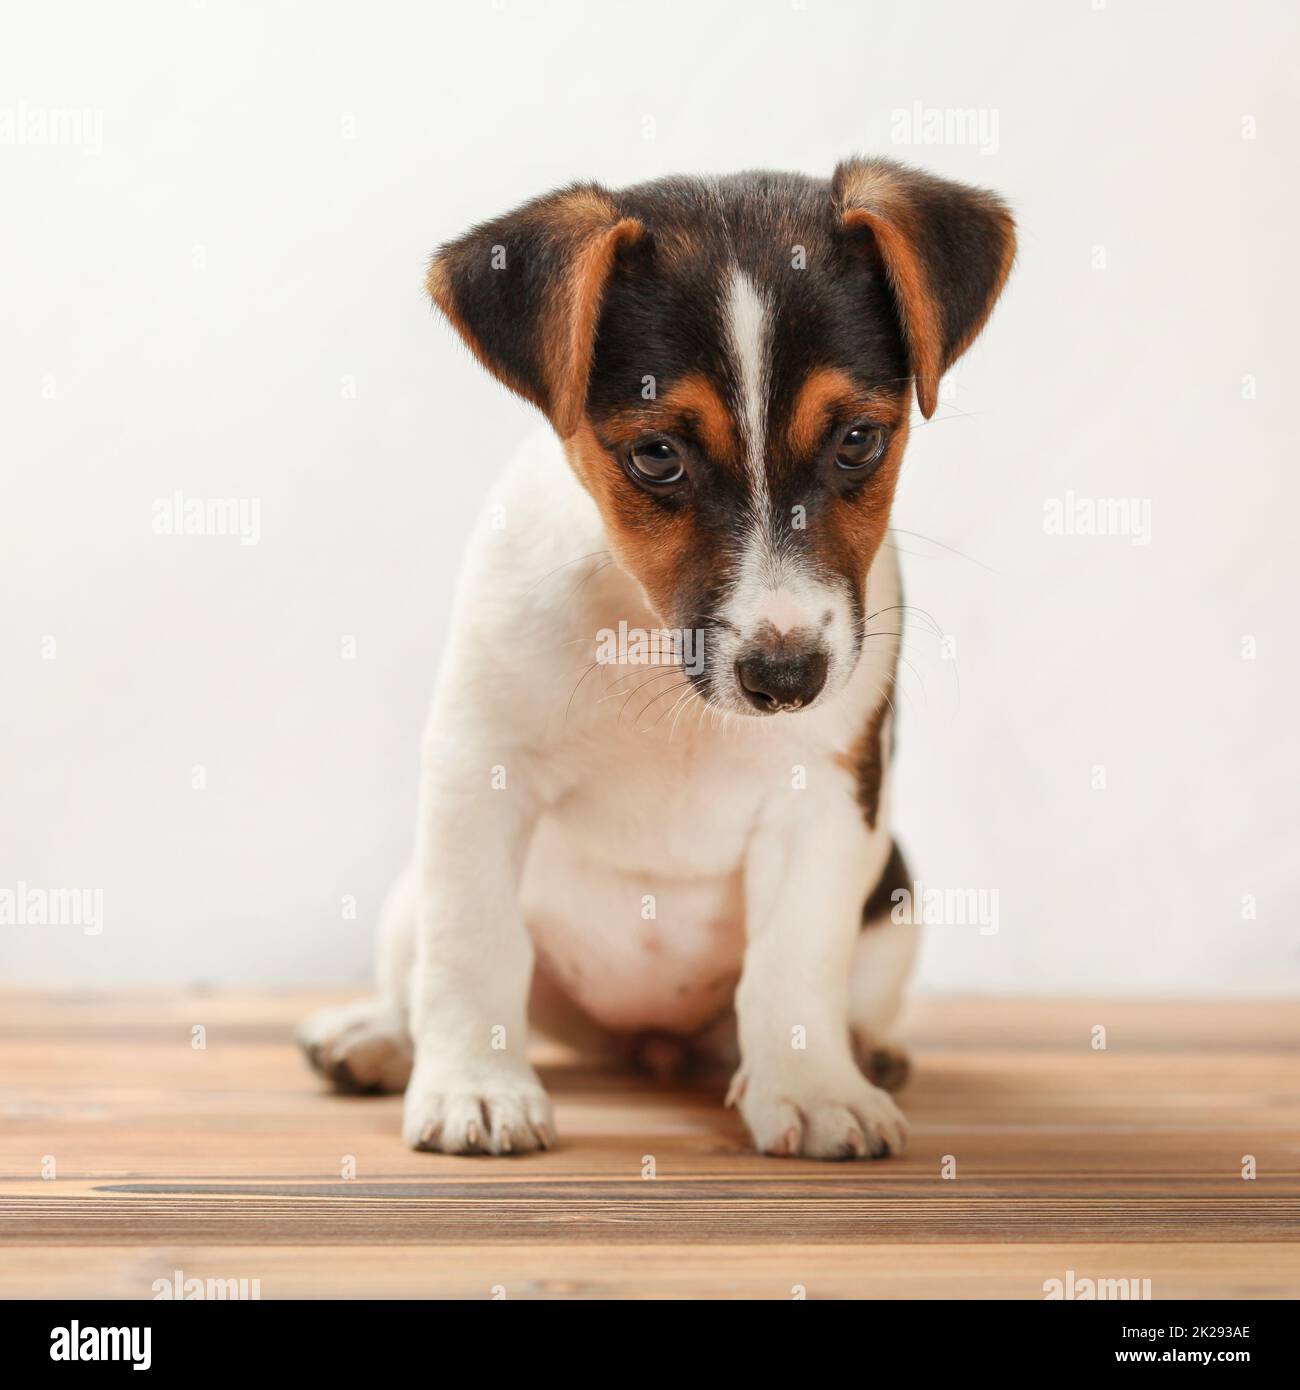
<point>919,680</point>
<point>654,700</point>
<point>909,608</point>
<point>622,709</point>
<point>685,685</point>
<point>898,550</point>
<point>952,550</point>
<point>694,695</point>
<point>956,415</point>
<point>574,691</point>
<point>595,570</point>
<point>668,671</point>
<point>591,555</point>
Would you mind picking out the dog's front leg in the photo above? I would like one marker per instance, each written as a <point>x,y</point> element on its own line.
<point>472,1088</point>
<point>808,869</point>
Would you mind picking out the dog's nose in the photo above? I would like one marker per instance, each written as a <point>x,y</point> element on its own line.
<point>781,682</point>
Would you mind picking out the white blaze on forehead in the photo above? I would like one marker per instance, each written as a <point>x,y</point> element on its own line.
<point>773,586</point>
<point>749,337</point>
<point>759,596</point>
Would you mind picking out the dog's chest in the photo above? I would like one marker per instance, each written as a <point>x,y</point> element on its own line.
<point>633,891</point>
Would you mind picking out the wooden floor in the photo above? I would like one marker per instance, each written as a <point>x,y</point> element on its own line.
<point>230,1162</point>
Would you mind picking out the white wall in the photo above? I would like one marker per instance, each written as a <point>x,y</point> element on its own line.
<point>212,283</point>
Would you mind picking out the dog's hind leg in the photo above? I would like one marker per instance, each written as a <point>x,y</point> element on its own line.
<point>882,960</point>
<point>366,1045</point>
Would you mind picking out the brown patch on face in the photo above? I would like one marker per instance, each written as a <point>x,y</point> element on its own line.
<point>692,406</point>
<point>828,392</point>
<point>845,530</point>
<point>846,535</point>
<point>652,545</point>
<point>824,389</point>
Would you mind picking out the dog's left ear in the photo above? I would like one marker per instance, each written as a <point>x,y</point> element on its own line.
<point>525,290</point>
<point>946,249</point>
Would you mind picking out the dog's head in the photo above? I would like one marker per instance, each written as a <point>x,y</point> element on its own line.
<point>730,364</point>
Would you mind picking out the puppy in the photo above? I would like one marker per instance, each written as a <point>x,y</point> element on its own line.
<point>655,783</point>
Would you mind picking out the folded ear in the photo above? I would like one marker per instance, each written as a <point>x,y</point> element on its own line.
<point>946,248</point>
<point>524,291</point>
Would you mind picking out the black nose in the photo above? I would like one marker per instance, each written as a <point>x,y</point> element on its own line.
<point>772,683</point>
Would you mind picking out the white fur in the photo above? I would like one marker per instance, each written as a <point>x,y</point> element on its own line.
<point>749,333</point>
<point>775,586</point>
<point>647,850</point>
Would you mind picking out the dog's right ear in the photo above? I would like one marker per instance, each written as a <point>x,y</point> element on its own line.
<point>525,290</point>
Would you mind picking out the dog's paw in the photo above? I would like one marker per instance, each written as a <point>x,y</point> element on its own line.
<point>846,1117</point>
<point>500,1112</point>
<point>360,1047</point>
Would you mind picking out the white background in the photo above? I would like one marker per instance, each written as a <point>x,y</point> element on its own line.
<point>221,293</point>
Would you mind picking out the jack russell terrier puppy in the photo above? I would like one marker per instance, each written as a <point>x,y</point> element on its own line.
<point>655,777</point>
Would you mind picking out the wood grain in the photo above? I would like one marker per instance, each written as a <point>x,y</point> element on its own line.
<point>229,1161</point>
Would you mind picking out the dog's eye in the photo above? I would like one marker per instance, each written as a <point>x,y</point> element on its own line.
<point>656,462</point>
<point>862,446</point>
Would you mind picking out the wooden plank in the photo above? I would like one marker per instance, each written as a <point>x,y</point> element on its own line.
<point>556,1270</point>
<point>230,1160</point>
